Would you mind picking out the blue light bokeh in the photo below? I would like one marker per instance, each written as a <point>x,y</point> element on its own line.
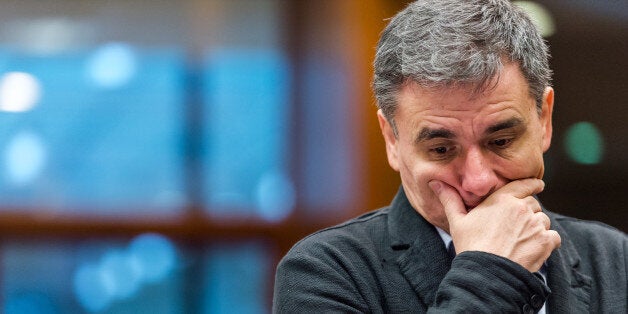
<point>122,274</point>
<point>246,137</point>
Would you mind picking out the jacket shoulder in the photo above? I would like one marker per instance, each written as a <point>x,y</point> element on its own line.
<point>334,269</point>
<point>587,231</point>
<point>368,228</point>
<point>593,240</point>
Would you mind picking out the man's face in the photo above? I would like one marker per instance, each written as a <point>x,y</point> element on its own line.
<point>475,144</point>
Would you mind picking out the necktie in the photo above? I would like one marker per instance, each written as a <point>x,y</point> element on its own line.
<point>451,250</point>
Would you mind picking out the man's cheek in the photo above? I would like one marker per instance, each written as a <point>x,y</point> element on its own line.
<point>526,168</point>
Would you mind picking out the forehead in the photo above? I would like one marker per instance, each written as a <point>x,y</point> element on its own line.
<point>508,95</point>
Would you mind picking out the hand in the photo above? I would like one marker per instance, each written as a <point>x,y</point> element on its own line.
<point>508,223</point>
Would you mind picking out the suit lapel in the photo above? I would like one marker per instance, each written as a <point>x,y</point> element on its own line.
<point>571,289</point>
<point>425,257</point>
<point>422,250</point>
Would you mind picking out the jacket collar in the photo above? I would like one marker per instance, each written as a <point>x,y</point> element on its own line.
<point>421,250</point>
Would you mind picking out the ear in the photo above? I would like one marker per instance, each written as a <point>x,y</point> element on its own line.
<point>390,139</point>
<point>546,117</point>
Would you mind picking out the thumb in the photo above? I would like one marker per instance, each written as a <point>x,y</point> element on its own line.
<point>449,198</point>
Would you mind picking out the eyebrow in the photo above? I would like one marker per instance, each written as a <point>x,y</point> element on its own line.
<point>510,123</point>
<point>428,134</point>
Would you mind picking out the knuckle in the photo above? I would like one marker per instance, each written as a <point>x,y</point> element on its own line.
<point>533,204</point>
<point>552,239</point>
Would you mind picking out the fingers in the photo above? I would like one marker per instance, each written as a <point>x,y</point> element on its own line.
<point>554,238</point>
<point>524,187</point>
<point>551,241</point>
<point>509,222</point>
<point>532,204</point>
<point>449,198</point>
<point>544,219</point>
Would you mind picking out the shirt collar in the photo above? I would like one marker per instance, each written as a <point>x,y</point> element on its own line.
<point>444,236</point>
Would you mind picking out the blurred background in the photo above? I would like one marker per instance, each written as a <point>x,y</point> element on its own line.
<point>161,156</point>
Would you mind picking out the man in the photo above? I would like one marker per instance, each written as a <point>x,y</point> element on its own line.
<point>465,108</point>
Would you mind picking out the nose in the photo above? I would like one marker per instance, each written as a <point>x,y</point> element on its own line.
<point>477,174</point>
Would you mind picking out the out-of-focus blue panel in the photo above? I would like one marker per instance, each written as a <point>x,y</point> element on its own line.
<point>237,279</point>
<point>246,133</point>
<point>327,170</point>
<point>107,131</point>
<point>91,277</point>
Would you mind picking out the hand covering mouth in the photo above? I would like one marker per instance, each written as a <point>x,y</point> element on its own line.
<point>471,205</point>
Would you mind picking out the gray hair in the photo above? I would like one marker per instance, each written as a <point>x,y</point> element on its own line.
<point>442,43</point>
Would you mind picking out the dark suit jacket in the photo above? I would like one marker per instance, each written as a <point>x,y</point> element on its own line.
<point>392,260</point>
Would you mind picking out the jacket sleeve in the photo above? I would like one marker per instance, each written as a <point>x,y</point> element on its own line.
<point>305,283</point>
<point>483,282</point>
<point>477,282</point>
